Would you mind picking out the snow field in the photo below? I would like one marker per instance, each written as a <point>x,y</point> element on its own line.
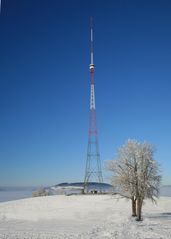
<point>83,217</point>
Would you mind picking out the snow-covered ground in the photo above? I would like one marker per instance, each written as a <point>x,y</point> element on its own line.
<point>83,217</point>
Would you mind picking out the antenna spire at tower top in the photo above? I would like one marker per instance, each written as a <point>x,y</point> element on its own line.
<point>91,45</point>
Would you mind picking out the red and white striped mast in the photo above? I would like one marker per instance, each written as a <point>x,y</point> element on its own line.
<point>93,171</point>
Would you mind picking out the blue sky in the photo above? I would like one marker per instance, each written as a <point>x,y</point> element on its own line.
<point>44,85</point>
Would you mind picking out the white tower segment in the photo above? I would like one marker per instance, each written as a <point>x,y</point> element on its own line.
<point>92,98</point>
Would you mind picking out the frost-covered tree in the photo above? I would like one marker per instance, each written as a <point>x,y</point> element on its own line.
<point>136,174</point>
<point>148,178</point>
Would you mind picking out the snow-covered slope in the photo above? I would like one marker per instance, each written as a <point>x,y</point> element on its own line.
<point>83,217</point>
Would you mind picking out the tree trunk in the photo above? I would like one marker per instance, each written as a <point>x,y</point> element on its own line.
<point>134,211</point>
<point>139,209</point>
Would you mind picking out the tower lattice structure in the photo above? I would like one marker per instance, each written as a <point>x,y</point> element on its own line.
<point>93,172</point>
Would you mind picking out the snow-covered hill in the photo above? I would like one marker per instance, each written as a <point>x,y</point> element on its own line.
<point>165,191</point>
<point>83,217</point>
<point>77,188</point>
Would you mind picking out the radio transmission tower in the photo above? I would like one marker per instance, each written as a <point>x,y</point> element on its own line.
<point>93,172</point>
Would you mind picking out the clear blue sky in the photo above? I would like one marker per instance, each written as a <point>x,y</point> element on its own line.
<point>44,84</point>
